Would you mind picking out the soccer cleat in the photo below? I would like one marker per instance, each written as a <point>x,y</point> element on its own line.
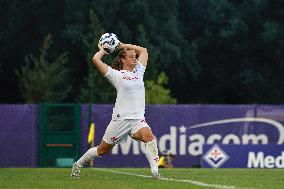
<point>75,171</point>
<point>156,175</point>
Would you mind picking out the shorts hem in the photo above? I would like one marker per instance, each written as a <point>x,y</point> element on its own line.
<point>137,129</point>
<point>106,141</point>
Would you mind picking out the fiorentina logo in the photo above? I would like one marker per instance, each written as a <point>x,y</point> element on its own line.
<point>215,156</point>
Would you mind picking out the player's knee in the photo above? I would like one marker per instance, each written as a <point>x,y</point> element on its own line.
<point>148,138</point>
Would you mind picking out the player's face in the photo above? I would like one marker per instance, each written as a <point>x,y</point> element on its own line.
<point>130,58</point>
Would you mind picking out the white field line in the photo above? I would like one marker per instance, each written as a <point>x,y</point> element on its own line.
<point>198,183</point>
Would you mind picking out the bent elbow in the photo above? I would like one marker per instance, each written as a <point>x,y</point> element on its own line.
<point>95,60</point>
<point>145,50</point>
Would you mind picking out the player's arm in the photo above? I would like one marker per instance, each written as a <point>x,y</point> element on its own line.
<point>142,52</point>
<point>97,60</point>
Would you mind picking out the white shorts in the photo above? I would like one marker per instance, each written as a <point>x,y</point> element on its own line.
<point>117,130</point>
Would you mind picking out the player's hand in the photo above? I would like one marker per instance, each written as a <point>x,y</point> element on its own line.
<point>101,49</point>
<point>121,45</point>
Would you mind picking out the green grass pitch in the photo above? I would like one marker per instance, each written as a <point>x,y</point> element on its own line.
<point>138,178</point>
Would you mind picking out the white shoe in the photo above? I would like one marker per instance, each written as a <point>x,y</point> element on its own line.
<point>75,171</point>
<point>156,175</point>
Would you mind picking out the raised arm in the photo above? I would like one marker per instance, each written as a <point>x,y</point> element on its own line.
<point>97,60</point>
<point>143,53</point>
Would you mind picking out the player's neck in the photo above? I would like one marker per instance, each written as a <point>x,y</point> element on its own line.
<point>129,68</point>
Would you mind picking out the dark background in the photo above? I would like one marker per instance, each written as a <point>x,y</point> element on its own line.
<point>213,51</point>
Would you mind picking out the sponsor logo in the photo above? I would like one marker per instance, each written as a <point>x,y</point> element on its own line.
<point>269,122</point>
<point>259,160</point>
<point>130,78</point>
<point>215,156</point>
<point>182,140</point>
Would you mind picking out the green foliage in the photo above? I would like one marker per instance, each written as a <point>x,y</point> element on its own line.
<point>143,40</point>
<point>97,88</point>
<point>216,49</point>
<point>272,31</point>
<point>42,80</point>
<point>156,93</point>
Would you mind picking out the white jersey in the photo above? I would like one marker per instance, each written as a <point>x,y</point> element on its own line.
<point>130,100</point>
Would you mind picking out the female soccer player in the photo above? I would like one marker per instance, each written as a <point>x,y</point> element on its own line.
<point>126,75</point>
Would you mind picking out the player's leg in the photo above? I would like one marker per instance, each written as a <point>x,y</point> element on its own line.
<point>94,152</point>
<point>116,131</point>
<point>91,154</point>
<point>143,132</point>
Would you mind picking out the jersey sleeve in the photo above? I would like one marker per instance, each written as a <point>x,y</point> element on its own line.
<point>112,76</point>
<point>140,68</point>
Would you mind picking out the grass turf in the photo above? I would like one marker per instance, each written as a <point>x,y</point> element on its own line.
<point>93,178</point>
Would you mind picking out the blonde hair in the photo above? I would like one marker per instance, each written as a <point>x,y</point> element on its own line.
<point>117,63</point>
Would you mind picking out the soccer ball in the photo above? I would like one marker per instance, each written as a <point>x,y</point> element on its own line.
<point>109,42</point>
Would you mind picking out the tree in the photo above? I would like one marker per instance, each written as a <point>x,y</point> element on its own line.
<point>42,80</point>
<point>156,93</point>
<point>213,51</point>
<point>97,88</point>
<point>155,90</point>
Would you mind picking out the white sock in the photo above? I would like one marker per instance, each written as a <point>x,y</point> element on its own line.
<point>152,155</point>
<point>91,154</point>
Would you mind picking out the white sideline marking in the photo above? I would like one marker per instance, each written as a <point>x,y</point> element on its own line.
<point>198,183</point>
